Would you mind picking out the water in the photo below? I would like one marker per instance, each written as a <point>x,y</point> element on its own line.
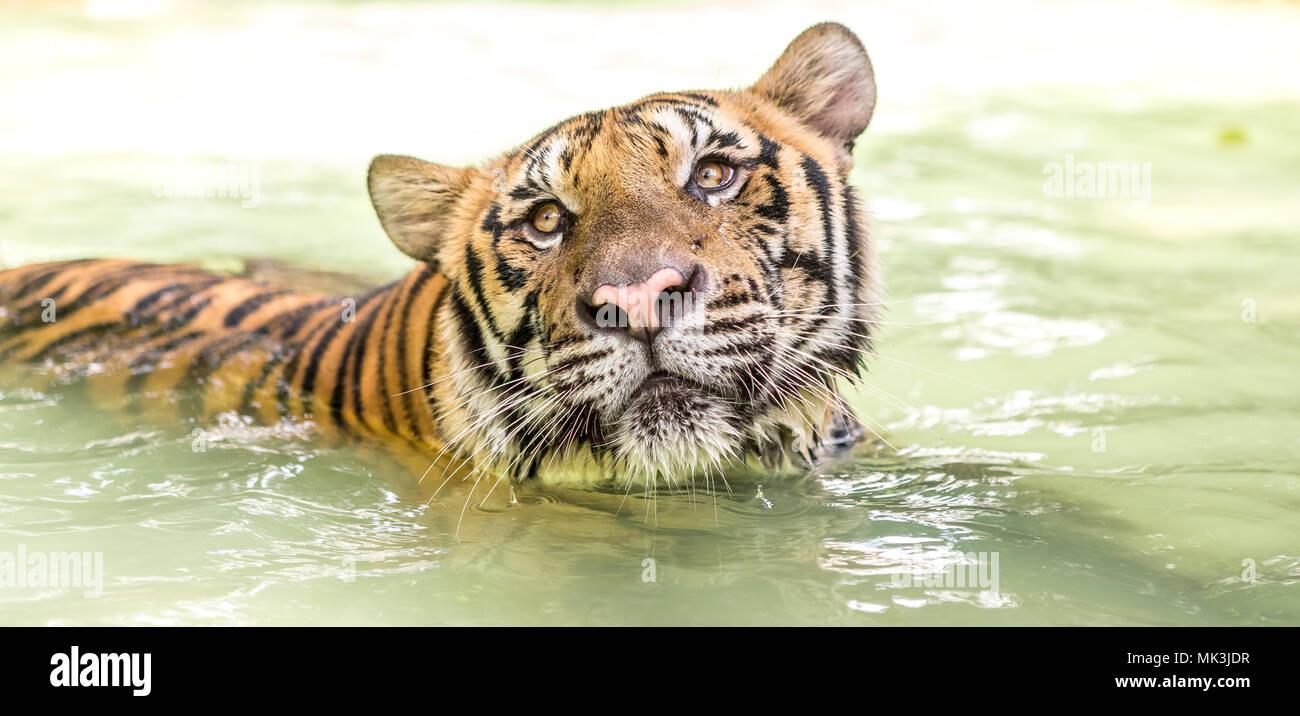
<point>1100,393</point>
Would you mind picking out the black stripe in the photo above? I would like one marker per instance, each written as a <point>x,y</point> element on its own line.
<point>40,276</point>
<point>521,337</point>
<point>313,366</point>
<point>512,278</point>
<point>112,282</point>
<point>768,152</point>
<point>749,347</point>
<point>246,401</point>
<point>826,268</point>
<point>386,405</point>
<point>582,360</point>
<point>357,344</point>
<point>470,334</point>
<point>474,275</point>
<point>51,349</point>
<point>777,207</point>
<point>249,305</point>
<point>723,139</point>
<point>134,314</point>
<point>284,324</point>
<point>853,248</point>
<point>174,322</point>
<point>730,300</point>
<point>324,338</point>
<point>701,98</point>
<point>404,320</point>
<point>732,324</point>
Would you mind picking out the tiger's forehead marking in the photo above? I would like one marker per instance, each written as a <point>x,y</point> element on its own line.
<point>659,131</point>
<point>548,167</point>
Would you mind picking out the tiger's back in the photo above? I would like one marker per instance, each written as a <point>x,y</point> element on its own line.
<point>181,343</point>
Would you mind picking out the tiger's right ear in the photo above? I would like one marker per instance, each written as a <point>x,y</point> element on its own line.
<point>416,202</point>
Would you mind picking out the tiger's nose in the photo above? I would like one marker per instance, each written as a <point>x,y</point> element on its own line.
<point>641,309</point>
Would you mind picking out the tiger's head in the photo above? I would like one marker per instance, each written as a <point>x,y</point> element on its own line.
<point>658,289</point>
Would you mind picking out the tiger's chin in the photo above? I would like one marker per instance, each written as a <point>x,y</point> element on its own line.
<point>673,429</point>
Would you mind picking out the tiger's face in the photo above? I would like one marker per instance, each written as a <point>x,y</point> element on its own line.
<point>667,287</point>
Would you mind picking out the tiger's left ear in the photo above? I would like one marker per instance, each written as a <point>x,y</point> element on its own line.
<point>416,202</point>
<point>825,79</point>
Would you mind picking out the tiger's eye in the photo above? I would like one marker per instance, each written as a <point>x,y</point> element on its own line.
<point>546,218</point>
<point>711,175</point>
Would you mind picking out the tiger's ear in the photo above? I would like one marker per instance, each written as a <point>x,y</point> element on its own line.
<point>825,79</point>
<point>416,202</point>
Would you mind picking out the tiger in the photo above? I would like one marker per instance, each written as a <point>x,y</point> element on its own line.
<point>670,288</point>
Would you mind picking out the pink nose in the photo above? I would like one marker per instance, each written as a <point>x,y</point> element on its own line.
<point>640,302</point>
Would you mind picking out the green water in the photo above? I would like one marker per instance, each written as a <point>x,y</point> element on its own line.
<point>1101,393</point>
